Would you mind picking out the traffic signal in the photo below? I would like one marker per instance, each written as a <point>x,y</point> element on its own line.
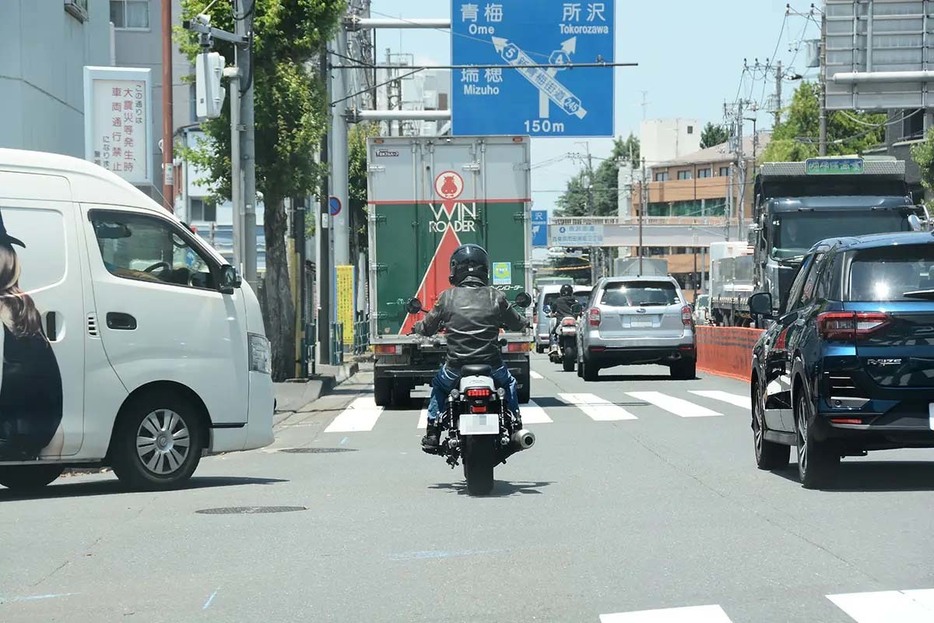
<point>209,94</point>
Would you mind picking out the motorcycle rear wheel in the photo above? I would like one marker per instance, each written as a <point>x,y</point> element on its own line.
<point>479,461</point>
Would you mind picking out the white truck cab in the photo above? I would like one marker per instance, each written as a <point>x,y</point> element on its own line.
<point>127,340</point>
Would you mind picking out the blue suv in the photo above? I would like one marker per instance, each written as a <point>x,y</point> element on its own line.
<point>848,366</point>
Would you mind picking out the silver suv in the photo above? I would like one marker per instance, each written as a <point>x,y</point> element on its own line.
<point>637,320</point>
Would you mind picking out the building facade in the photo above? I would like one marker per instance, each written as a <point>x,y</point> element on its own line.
<point>44,47</point>
<point>662,140</point>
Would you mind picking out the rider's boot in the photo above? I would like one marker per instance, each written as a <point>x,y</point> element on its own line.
<point>431,442</point>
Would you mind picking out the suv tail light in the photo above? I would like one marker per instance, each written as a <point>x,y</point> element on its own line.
<point>850,325</point>
<point>687,316</point>
<point>593,317</point>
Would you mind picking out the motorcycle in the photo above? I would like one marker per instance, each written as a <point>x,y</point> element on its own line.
<point>565,349</point>
<point>476,427</point>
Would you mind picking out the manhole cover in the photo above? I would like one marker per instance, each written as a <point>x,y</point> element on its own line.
<point>316,450</point>
<point>250,510</point>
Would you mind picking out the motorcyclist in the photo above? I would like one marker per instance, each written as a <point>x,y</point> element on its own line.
<point>472,313</point>
<point>563,306</point>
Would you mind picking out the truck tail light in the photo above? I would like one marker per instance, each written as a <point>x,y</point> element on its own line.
<point>687,317</point>
<point>518,347</point>
<point>850,325</point>
<point>593,317</point>
<point>386,349</point>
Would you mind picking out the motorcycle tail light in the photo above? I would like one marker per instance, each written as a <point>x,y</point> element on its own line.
<point>686,316</point>
<point>479,392</point>
<point>593,317</point>
<point>568,322</point>
<point>478,408</point>
<point>850,325</point>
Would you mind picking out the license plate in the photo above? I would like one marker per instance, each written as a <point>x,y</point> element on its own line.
<point>640,323</point>
<point>479,424</point>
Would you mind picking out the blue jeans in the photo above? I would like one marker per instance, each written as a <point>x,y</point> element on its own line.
<point>447,379</point>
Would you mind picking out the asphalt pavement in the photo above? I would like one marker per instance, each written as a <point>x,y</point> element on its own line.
<point>639,503</point>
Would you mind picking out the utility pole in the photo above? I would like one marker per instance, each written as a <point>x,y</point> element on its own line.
<point>243,25</point>
<point>168,130</point>
<point>236,173</point>
<point>778,94</point>
<point>642,206</point>
<point>323,234</point>
<point>822,145</point>
<point>741,164</point>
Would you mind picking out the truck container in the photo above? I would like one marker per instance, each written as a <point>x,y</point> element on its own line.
<point>731,283</point>
<point>427,196</point>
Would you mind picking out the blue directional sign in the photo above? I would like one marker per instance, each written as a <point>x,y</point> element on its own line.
<point>505,90</point>
<point>539,228</point>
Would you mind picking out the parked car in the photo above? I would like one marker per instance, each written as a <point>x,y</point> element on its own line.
<point>847,366</point>
<point>542,321</point>
<point>637,320</point>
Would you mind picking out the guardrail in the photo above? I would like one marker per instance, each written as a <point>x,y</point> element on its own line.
<point>337,343</point>
<point>726,351</point>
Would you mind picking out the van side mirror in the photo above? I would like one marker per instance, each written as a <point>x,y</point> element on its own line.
<point>413,306</point>
<point>523,299</point>
<point>760,304</point>
<point>229,279</point>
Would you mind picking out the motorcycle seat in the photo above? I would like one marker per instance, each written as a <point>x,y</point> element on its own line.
<point>476,369</point>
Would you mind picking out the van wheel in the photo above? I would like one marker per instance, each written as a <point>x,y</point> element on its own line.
<point>525,392</point>
<point>157,442</point>
<point>29,477</point>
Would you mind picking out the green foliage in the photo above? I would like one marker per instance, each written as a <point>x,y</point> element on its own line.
<point>357,177</point>
<point>923,154</point>
<point>713,135</point>
<point>797,138</point>
<point>599,197</point>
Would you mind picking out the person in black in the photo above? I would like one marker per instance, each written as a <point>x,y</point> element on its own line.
<point>565,305</point>
<point>471,313</point>
<point>31,385</point>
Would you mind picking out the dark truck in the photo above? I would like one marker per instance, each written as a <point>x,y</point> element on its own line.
<point>800,203</point>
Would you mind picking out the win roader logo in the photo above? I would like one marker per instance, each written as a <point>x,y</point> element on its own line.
<point>462,218</point>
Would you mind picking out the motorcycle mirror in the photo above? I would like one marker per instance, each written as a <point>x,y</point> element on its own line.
<point>413,306</point>
<point>523,299</point>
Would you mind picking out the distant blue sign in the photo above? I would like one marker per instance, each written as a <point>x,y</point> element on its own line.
<point>539,228</point>
<point>533,100</point>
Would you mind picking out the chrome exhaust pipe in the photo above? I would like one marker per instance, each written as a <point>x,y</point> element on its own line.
<point>523,439</point>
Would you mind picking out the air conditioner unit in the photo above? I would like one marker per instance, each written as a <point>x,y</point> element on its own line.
<point>78,9</point>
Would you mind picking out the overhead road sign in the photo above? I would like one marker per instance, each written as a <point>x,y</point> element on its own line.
<point>539,228</point>
<point>545,94</point>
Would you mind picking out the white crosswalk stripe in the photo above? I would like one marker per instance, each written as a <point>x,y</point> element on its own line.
<point>597,408</point>
<point>535,375</point>
<point>533,414</point>
<point>360,416</point>
<point>915,606</point>
<point>679,407</point>
<point>423,419</point>
<point>734,399</point>
<point>690,614</point>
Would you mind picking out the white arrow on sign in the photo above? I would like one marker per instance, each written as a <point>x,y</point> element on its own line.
<point>540,79</point>
<point>567,49</point>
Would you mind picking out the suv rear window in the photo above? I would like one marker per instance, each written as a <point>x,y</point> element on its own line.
<point>582,298</point>
<point>887,273</point>
<point>641,294</point>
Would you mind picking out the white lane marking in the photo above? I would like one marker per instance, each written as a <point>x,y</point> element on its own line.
<point>691,614</point>
<point>679,407</point>
<point>734,399</point>
<point>535,375</point>
<point>533,414</point>
<point>916,606</point>
<point>423,419</point>
<point>931,415</point>
<point>360,416</point>
<point>597,408</point>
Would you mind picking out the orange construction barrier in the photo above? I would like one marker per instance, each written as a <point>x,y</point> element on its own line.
<point>726,351</point>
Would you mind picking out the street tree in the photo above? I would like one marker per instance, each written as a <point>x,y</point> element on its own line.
<point>923,155</point>
<point>597,194</point>
<point>713,135</point>
<point>797,137</point>
<point>291,116</point>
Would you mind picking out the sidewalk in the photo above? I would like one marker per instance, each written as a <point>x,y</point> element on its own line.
<point>295,396</point>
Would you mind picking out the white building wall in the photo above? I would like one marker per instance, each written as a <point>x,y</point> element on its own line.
<point>662,140</point>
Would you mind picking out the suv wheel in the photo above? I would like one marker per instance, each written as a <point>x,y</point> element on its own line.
<point>684,370</point>
<point>817,461</point>
<point>769,455</point>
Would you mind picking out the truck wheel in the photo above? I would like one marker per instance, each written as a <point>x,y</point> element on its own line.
<point>29,477</point>
<point>400,396</point>
<point>157,442</point>
<point>525,389</point>
<point>382,392</point>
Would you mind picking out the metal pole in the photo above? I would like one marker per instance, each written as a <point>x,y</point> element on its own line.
<point>168,133</point>
<point>324,240</point>
<point>236,165</point>
<point>822,145</point>
<point>245,27</point>
<point>645,200</point>
<point>741,163</point>
<point>339,161</point>
<point>299,207</point>
<point>778,93</point>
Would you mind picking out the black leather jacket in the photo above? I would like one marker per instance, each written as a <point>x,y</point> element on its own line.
<point>472,315</point>
<point>563,305</point>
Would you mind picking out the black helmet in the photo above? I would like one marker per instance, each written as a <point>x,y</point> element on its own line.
<point>469,260</point>
<point>567,290</point>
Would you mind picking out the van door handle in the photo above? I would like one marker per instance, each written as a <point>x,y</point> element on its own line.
<point>120,321</point>
<point>51,326</point>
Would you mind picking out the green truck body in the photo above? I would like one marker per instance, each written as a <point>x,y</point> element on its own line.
<point>426,197</point>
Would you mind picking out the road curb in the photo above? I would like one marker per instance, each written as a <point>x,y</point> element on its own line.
<point>326,384</point>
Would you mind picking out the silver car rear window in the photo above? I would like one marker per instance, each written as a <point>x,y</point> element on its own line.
<point>639,294</point>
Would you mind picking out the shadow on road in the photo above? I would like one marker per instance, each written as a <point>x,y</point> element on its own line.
<point>878,476</point>
<point>65,489</point>
<point>501,488</point>
<point>550,402</point>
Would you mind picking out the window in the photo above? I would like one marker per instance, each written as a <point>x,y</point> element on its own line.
<point>661,176</point>
<point>703,172</point>
<point>641,294</point>
<point>146,248</point>
<point>794,296</point>
<point>887,273</point>
<point>202,210</point>
<point>130,14</point>
<point>684,175</point>
<point>724,171</point>
<point>690,129</point>
<point>78,9</point>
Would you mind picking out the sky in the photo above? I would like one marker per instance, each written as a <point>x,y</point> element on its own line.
<point>690,56</point>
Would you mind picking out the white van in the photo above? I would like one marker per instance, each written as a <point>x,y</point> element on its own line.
<point>127,341</point>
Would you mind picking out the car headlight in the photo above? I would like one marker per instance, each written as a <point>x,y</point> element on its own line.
<point>260,360</point>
